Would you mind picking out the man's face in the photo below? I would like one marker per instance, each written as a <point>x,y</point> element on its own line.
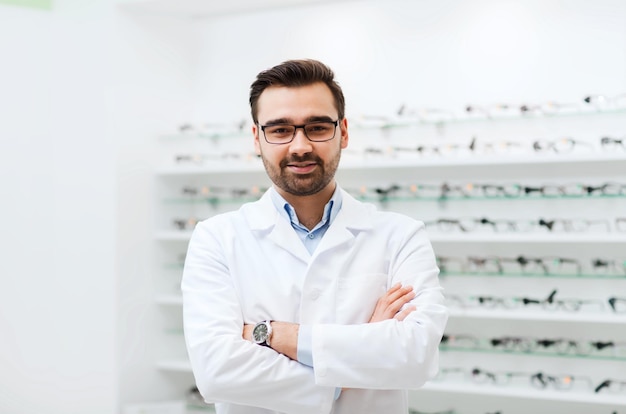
<point>301,167</point>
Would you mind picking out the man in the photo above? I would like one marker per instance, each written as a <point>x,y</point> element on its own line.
<point>309,301</point>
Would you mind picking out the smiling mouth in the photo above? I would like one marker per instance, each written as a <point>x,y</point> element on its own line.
<point>302,167</point>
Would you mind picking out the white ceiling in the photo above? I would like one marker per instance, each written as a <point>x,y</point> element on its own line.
<point>208,8</point>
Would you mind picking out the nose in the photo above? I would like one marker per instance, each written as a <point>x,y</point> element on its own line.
<point>300,143</point>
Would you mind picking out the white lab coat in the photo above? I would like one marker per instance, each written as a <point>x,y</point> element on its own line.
<point>249,265</point>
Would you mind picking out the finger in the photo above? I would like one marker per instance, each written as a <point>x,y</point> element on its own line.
<point>401,301</point>
<point>394,293</point>
<point>405,312</point>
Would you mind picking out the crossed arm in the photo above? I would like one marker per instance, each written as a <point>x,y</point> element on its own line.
<point>389,306</point>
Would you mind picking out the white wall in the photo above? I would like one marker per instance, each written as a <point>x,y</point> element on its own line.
<point>443,54</point>
<point>57,295</point>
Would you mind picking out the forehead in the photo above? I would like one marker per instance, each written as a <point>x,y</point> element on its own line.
<point>296,103</point>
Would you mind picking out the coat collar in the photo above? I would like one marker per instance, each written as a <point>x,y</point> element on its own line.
<point>354,215</point>
<point>263,219</point>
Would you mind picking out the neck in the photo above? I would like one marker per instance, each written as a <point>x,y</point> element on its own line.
<point>310,209</point>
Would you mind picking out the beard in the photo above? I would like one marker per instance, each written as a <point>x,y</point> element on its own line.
<point>302,184</point>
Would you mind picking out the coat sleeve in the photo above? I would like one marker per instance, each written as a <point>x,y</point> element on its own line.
<point>226,367</point>
<point>389,354</point>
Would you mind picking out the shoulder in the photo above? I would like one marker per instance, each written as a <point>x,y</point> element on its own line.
<point>378,219</point>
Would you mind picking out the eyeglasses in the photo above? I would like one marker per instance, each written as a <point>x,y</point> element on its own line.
<point>612,386</point>
<point>471,224</point>
<point>618,305</point>
<point>609,143</point>
<point>572,225</point>
<point>561,382</point>
<point>570,305</point>
<point>319,131</point>
<point>559,146</point>
<point>185,224</point>
<point>528,265</point>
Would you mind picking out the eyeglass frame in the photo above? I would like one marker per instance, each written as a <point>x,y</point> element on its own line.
<point>295,130</point>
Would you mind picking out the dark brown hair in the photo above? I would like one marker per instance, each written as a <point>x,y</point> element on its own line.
<point>294,73</point>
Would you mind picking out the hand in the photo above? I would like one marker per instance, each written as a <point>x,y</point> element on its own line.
<point>247,332</point>
<point>389,305</point>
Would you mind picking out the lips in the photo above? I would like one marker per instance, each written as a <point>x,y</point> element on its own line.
<point>302,167</point>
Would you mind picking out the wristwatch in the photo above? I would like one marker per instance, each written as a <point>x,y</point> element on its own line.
<point>261,333</point>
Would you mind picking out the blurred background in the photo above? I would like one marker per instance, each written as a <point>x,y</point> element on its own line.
<point>90,91</point>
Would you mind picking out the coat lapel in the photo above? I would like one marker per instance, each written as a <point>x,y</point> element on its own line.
<point>265,221</point>
<point>353,218</point>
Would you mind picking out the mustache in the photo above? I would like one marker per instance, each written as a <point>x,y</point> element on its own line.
<point>296,158</point>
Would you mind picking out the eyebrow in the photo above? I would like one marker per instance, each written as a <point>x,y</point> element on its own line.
<point>288,121</point>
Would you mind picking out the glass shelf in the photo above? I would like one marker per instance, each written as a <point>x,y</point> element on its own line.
<point>399,123</point>
<point>489,390</point>
<point>454,119</point>
<point>407,199</point>
<point>541,354</point>
<point>537,275</point>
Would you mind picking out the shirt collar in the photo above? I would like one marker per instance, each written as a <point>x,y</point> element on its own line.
<point>331,209</point>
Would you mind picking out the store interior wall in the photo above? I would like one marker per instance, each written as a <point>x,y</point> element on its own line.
<point>85,90</point>
<point>57,163</point>
<point>425,54</point>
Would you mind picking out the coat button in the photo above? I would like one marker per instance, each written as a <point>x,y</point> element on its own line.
<point>315,293</point>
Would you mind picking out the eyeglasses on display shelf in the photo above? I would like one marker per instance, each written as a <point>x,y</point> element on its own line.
<point>185,224</point>
<point>548,304</point>
<point>612,144</point>
<point>212,130</point>
<point>501,147</point>
<point>477,191</point>
<point>542,380</point>
<point>541,225</point>
<point>618,305</point>
<point>568,305</point>
<point>214,195</point>
<point>203,159</point>
<point>560,146</point>
<point>478,224</point>
<point>538,380</point>
<point>522,265</point>
<point>603,101</point>
<point>611,386</point>
<point>425,114</point>
<point>601,349</point>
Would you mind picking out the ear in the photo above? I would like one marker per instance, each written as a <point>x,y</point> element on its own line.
<point>344,133</point>
<point>257,144</point>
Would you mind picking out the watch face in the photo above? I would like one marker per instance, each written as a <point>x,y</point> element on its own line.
<point>260,333</point>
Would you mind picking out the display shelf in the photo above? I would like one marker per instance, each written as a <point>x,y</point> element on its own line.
<point>581,276</point>
<point>527,393</point>
<point>450,117</point>
<point>511,238</point>
<point>418,199</point>
<point>366,163</point>
<point>605,318</point>
<point>617,358</point>
<point>370,165</point>
<point>566,238</point>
